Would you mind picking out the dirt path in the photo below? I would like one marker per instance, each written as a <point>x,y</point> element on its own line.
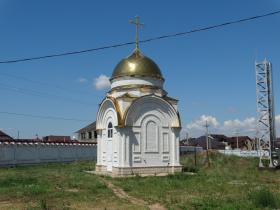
<point>123,195</point>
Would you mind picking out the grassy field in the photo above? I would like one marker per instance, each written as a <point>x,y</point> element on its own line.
<point>229,183</point>
<point>56,186</point>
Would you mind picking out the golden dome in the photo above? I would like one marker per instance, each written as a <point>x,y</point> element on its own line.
<point>137,65</point>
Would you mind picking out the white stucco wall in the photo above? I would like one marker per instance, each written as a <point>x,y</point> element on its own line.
<point>123,81</point>
<point>154,141</point>
<point>108,153</point>
<point>136,144</point>
<point>20,154</point>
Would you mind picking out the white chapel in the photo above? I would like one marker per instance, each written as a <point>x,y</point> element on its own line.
<point>137,124</point>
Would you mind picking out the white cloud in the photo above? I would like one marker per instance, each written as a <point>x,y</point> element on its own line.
<point>277,120</point>
<point>246,126</point>
<point>201,122</point>
<point>102,82</point>
<point>82,80</point>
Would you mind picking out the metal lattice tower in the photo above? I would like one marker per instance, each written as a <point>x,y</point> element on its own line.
<point>265,110</point>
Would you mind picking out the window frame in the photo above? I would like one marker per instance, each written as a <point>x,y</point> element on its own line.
<point>89,135</point>
<point>110,130</point>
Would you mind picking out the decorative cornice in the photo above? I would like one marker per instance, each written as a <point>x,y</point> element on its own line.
<point>126,87</point>
<point>138,76</point>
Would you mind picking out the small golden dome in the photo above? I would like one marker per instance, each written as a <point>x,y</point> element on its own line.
<point>137,65</point>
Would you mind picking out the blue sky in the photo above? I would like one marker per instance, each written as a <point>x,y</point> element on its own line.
<point>211,73</point>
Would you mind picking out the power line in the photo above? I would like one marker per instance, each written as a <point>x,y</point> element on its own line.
<point>47,84</point>
<point>67,53</point>
<point>44,117</point>
<point>142,41</point>
<point>212,27</point>
<point>41,94</point>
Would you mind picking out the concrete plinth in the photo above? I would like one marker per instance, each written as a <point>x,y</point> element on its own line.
<point>141,171</point>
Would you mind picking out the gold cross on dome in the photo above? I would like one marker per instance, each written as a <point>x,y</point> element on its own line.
<point>137,23</point>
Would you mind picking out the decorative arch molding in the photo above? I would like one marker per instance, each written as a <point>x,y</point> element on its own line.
<point>107,112</point>
<point>151,131</point>
<point>152,105</point>
<point>150,117</point>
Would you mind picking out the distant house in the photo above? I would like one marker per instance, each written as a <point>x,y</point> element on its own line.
<point>88,133</point>
<point>220,137</point>
<point>5,137</point>
<point>218,141</point>
<point>214,142</point>
<point>244,143</point>
<point>53,138</point>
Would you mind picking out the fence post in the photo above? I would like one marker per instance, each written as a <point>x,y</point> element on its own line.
<point>195,156</point>
<point>14,148</point>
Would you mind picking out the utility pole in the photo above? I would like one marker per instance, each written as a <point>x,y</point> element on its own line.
<point>207,135</point>
<point>237,133</point>
<point>207,142</point>
<point>187,138</point>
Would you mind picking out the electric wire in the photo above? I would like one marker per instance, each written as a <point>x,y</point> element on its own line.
<point>142,41</point>
<point>44,117</point>
<point>116,46</point>
<point>58,87</point>
<point>42,94</point>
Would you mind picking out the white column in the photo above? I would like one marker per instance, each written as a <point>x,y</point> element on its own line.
<point>99,147</point>
<point>175,146</point>
<point>174,150</point>
<point>177,134</point>
<point>121,148</point>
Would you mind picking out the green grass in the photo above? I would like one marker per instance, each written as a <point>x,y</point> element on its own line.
<point>56,186</point>
<point>229,183</point>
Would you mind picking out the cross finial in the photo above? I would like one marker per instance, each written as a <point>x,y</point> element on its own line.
<point>137,23</point>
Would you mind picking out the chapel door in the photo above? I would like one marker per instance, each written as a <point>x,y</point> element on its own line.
<point>109,147</point>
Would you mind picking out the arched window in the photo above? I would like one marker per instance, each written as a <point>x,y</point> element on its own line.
<point>110,130</point>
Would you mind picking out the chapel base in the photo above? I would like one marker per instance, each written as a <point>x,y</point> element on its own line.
<point>138,171</point>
